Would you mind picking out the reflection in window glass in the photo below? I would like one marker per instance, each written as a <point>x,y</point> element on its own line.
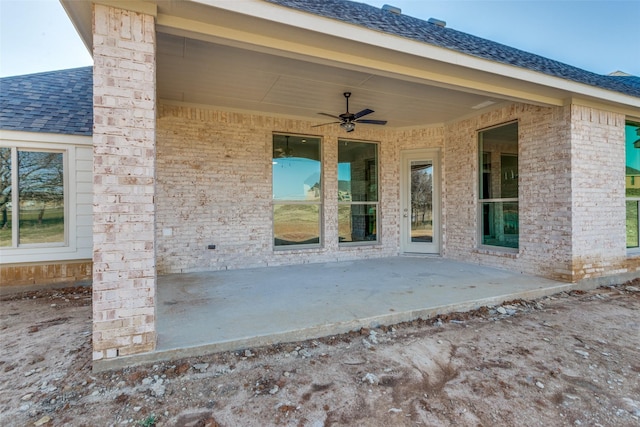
<point>357,191</point>
<point>33,197</point>
<point>5,197</point>
<point>498,148</point>
<point>297,190</point>
<point>296,224</point>
<point>41,197</point>
<point>421,201</point>
<point>632,152</point>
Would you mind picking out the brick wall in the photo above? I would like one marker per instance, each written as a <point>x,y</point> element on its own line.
<point>44,273</point>
<point>598,188</point>
<point>214,187</point>
<point>124,275</point>
<point>571,182</point>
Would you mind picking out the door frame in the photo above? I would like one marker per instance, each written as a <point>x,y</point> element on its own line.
<point>406,246</point>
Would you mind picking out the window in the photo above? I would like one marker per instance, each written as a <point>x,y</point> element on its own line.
<point>297,191</point>
<point>498,148</point>
<point>632,149</point>
<point>32,197</point>
<point>357,192</point>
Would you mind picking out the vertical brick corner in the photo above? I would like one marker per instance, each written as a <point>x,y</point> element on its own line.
<point>124,268</point>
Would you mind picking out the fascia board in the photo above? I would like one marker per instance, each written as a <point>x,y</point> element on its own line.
<point>330,27</point>
<point>44,137</point>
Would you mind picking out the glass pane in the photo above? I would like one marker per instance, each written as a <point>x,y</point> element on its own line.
<point>357,171</point>
<point>5,196</point>
<point>499,162</point>
<point>422,201</point>
<point>296,168</point>
<point>41,197</point>
<point>632,149</point>
<point>508,176</point>
<point>632,224</point>
<point>500,224</point>
<point>357,223</point>
<point>296,224</point>
<point>498,148</point>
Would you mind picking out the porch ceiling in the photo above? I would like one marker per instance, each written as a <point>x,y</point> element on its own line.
<point>252,55</point>
<point>200,72</point>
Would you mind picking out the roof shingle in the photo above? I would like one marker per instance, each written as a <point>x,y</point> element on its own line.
<point>417,29</point>
<point>53,102</point>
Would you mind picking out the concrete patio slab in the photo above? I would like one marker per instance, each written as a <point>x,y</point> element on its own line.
<point>201,313</point>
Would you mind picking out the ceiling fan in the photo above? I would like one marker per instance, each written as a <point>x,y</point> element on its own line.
<point>348,120</point>
<point>284,152</point>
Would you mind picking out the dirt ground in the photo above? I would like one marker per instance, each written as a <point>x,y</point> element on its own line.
<point>567,360</point>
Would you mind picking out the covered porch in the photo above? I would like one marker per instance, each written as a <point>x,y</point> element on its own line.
<point>206,312</point>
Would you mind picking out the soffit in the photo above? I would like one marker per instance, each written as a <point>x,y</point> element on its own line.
<point>199,72</point>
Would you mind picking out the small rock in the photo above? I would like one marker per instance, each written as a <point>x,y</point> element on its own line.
<point>137,408</point>
<point>371,379</point>
<point>274,390</point>
<point>501,310</point>
<point>95,393</point>
<point>157,390</point>
<point>304,353</point>
<point>24,408</point>
<point>539,385</point>
<point>202,367</point>
<point>372,337</point>
<point>395,410</point>
<point>633,289</point>
<point>582,353</point>
<point>42,421</point>
<point>27,396</point>
<point>367,344</point>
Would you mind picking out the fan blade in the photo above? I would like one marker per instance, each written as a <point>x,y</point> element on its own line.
<point>330,115</point>
<point>362,113</point>
<point>372,122</point>
<point>324,124</point>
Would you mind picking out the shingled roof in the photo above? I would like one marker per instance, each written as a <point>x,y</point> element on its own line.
<point>53,102</point>
<point>417,29</point>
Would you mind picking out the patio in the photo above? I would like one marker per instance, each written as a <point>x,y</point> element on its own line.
<point>206,312</point>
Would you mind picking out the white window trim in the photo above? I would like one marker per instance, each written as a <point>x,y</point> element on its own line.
<point>55,143</point>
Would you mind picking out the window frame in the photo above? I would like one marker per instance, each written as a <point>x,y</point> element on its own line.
<point>504,200</point>
<point>319,202</point>
<point>15,197</point>
<point>361,203</point>
<point>70,144</point>
<point>631,250</point>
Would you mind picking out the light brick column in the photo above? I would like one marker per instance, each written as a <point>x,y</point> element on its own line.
<point>124,272</point>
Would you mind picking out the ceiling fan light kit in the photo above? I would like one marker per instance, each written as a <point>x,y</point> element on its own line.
<point>348,120</point>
